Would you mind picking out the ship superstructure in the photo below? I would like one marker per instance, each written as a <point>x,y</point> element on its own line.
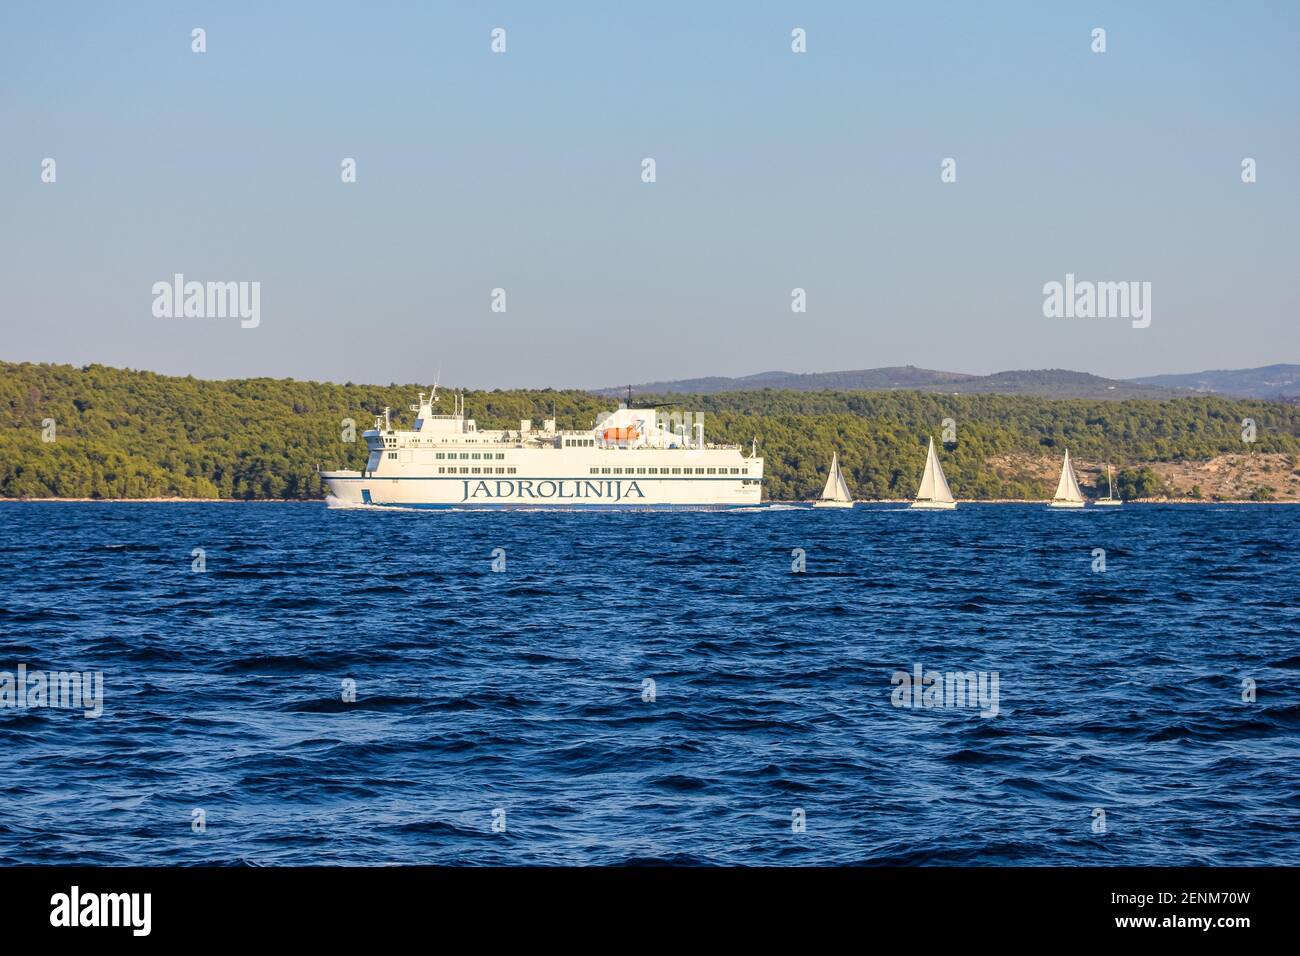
<point>630,458</point>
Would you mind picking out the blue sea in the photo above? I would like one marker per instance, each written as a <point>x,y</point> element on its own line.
<point>652,688</point>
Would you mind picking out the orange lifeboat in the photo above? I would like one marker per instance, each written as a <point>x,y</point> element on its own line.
<point>621,434</point>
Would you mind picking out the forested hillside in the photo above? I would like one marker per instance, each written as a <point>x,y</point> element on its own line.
<point>122,433</point>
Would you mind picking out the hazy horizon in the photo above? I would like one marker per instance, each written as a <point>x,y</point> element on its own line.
<point>522,170</point>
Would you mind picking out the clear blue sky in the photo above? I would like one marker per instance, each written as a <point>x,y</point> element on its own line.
<point>522,171</point>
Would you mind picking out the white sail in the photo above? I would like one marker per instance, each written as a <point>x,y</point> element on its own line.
<point>836,488</point>
<point>1067,489</point>
<point>845,495</point>
<point>934,486</point>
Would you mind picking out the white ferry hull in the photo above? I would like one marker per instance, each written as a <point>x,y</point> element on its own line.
<point>351,489</point>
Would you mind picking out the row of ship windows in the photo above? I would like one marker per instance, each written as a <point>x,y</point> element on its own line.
<point>668,471</point>
<point>604,471</point>
<point>476,471</point>
<point>392,442</point>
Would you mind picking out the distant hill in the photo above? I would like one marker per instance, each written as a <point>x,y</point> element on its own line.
<point>1053,383</point>
<point>863,380</point>
<point>1271,381</point>
<point>1048,383</point>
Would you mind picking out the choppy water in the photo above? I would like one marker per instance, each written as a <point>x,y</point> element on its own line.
<point>523,690</point>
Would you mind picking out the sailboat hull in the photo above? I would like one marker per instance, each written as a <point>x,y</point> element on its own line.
<point>1066,504</point>
<point>831,503</point>
<point>1108,502</point>
<point>934,505</point>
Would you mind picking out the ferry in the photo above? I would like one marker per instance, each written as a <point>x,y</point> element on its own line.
<point>632,458</point>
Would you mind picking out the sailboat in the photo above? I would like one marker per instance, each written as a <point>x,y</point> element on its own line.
<point>1068,494</point>
<point>934,491</point>
<point>836,493</point>
<point>1110,498</point>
